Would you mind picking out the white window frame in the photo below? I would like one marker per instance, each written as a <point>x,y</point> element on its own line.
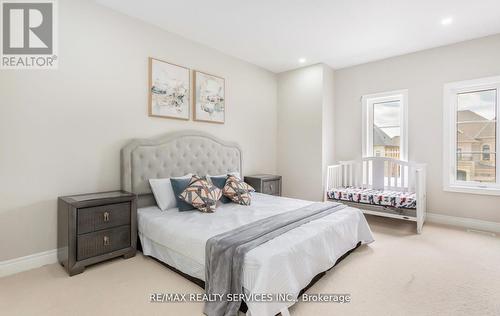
<point>451,90</point>
<point>367,138</point>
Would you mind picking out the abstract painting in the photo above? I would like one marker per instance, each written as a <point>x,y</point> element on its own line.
<point>169,90</point>
<point>209,98</point>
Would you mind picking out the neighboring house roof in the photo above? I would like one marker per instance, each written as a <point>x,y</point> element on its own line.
<point>468,115</point>
<point>488,131</point>
<point>464,138</point>
<point>472,131</point>
<point>380,138</point>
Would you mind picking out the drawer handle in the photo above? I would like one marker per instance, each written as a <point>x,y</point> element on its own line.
<point>106,216</point>
<point>106,241</point>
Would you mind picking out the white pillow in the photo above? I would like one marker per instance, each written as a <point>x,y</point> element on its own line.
<point>163,192</point>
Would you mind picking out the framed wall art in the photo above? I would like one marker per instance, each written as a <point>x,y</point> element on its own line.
<point>169,90</point>
<point>209,98</point>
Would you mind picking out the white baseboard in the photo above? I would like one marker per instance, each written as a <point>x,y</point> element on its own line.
<point>33,261</point>
<point>464,222</point>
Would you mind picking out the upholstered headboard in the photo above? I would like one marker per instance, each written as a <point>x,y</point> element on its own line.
<point>173,155</point>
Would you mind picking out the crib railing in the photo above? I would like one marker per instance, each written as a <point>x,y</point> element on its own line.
<point>378,173</point>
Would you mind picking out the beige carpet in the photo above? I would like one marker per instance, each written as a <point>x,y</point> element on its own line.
<point>444,271</point>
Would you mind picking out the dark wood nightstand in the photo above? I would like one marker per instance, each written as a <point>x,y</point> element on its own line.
<point>265,183</point>
<point>95,227</point>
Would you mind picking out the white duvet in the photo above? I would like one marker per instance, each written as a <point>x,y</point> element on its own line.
<point>285,264</point>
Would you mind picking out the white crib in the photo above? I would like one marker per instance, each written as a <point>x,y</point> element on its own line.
<point>385,174</point>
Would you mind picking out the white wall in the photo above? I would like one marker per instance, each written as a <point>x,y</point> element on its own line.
<point>305,102</point>
<point>328,121</point>
<point>61,131</point>
<point>423,74</point>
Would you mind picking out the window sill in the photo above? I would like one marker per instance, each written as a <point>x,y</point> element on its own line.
<point>472,189</point>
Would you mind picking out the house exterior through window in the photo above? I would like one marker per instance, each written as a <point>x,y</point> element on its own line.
<point>471,136</point>
<point>385,125</point>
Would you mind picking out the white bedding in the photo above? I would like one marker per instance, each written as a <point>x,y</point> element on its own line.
<point>285,264</point>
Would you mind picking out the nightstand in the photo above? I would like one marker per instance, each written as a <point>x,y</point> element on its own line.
<point>95,227</point>
<point>265,183</point>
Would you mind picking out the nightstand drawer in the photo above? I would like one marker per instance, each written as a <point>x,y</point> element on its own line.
<point>101,242</point>
<point>271,187</point>
<point>102,217</point>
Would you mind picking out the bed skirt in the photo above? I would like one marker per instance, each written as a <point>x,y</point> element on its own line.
<point>243,307</point>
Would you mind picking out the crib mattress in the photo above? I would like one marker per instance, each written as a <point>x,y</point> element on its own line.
<point>375,197</point>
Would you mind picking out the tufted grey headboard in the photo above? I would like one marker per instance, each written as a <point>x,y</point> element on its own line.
<point>173,155</point>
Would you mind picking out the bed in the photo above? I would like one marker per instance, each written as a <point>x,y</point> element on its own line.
<point>285,264</point>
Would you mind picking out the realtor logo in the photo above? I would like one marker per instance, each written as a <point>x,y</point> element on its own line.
<point>29,38</point>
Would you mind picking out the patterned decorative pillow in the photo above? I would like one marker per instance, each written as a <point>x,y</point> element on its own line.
<point>201,194</point>
<point>220,182</point>
<point>237,190</point>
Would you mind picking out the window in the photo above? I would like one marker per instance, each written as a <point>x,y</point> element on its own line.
<point>486,152</point>
<point>385,125</point>
<point>471,136</point>
<point>461,175</point>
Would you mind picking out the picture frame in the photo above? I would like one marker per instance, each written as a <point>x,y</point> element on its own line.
<point>209,98</point>
<point>169,90</point>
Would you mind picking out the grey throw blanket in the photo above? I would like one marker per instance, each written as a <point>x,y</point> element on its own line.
<point>225,252</point>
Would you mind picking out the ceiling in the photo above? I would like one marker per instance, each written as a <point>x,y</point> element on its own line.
<point>275,34</point>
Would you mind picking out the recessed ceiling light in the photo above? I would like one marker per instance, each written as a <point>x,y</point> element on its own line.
<point>302,60</point>
<point>447,21</point>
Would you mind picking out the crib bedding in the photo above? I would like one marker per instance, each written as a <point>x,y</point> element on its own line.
<point>396,199</point>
